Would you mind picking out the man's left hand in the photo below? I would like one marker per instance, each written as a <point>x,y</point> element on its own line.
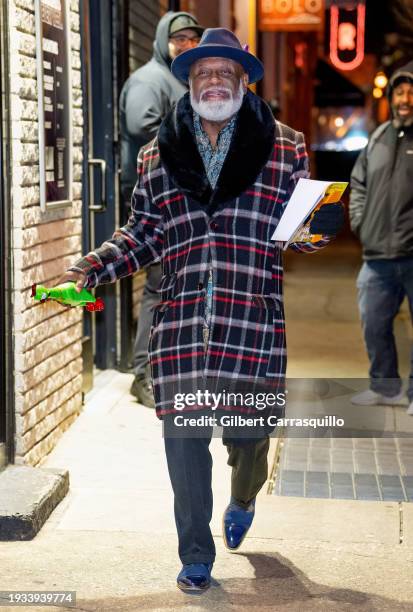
<point>328,220</point>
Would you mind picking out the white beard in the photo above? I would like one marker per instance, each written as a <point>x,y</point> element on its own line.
<point>218,110</point>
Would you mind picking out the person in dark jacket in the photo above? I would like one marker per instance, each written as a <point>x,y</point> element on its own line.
<point>146,98</point>
<point>381,215</point>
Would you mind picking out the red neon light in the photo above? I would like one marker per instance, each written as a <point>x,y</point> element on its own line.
<point>300,53</point>
<point>335,60</point>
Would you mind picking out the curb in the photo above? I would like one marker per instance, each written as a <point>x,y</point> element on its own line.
<point>28,496</point>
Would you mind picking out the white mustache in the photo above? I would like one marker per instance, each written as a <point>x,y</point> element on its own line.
<point>214,90</point>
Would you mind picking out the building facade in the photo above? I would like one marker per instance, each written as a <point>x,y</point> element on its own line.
<point>48,351</point>
<point>45,368</point>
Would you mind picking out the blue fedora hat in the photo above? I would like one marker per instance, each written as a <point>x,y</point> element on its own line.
<point>218,42</point>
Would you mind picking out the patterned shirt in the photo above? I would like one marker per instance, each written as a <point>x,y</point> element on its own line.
<point>213,160</point>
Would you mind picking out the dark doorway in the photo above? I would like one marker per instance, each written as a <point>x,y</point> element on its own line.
<point>100,162</point>
<point>127,329</point>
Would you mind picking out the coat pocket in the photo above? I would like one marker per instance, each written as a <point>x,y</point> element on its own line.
<point>166,289</point>
<point>272,315</point>
<point>159,313</point>
<point>268,302</point>
<point>166,292</point>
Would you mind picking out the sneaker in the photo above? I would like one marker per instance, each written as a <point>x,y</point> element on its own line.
<point>371,398</point>
<point>142,389</point>
<point>410,409</point>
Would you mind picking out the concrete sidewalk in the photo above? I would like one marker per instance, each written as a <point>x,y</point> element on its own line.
<point>112,539</point>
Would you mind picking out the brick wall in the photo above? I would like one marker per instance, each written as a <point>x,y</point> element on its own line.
<point>47,337</point>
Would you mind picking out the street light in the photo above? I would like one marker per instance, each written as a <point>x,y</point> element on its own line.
<point>380,81</point>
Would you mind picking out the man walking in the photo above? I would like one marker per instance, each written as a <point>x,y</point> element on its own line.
<point>381,215</point>
<point>146,98</point>
<point>211,189</point>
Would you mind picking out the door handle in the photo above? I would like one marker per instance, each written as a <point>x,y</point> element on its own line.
<point>101,163</point>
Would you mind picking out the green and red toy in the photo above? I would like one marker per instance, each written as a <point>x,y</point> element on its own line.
<point>67,295</point>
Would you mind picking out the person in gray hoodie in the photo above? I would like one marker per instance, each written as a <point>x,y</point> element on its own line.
<point>146,98</point>
<point>381,215</point>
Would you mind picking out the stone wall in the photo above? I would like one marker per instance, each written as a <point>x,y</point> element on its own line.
<point>47,337</point>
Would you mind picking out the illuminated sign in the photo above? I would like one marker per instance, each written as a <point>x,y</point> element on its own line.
<point>300,55</point>
<point>347,35</point>
<point>290,15</point>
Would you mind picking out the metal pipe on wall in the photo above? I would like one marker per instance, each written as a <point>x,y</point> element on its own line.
<point>7,395</point>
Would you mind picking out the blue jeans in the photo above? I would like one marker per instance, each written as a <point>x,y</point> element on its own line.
<point>382,286</point>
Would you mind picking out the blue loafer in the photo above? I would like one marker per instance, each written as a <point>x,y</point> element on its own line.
<point>236,523</point>
<point>194,577</point>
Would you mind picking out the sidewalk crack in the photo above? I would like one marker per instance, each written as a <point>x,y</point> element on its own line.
<point>401,533</point>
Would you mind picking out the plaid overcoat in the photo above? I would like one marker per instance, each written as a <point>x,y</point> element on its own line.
<point>179,220</point>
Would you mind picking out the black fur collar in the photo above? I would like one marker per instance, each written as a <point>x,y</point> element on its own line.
<point>249,151</point>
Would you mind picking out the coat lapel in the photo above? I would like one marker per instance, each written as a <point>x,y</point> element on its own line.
<point>249,151</point>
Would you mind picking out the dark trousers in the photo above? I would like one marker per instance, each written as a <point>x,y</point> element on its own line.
<point>190,471</point>
<point>382,286</point>
<point>150,298</point>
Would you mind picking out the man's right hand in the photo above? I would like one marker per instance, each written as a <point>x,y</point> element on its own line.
<point>79,278</point>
